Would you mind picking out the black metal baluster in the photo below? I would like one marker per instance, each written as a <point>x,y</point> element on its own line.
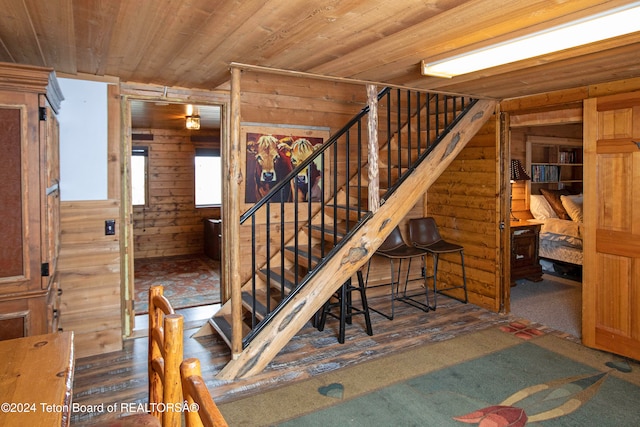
<point>268,244</point>
<point>253,265</point>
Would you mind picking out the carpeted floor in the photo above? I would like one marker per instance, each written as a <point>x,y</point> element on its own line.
<point>188,281</point>
<point>555,302</point>
<point>492,377</point>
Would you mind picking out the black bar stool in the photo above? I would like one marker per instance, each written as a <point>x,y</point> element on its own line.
<point>424,235</point>
<point>394,248</point>
<point>345,304</point>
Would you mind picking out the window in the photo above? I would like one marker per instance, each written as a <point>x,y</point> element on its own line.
<point>139,167</point>
<point>208,177</point>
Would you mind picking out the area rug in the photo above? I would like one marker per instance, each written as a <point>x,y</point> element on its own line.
<point>188,281</point>
<point>489,378</point>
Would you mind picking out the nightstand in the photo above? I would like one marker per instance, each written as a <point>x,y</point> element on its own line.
<point>525,263</point>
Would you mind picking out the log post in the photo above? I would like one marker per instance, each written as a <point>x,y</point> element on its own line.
<point>374,172</point>
<point>231,221</point>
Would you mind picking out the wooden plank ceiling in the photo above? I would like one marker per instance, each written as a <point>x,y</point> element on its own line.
<point>191,43</point>
<point>164,115</point>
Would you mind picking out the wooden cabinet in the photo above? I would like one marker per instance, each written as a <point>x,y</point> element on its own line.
<point>554,163</point>
<point>30,201</point>
<point>525,263</point>
<point>212,238</point>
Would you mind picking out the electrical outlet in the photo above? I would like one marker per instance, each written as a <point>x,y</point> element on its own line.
<point>110,227</point>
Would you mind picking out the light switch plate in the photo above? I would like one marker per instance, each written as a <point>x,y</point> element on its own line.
<point>110,227</point>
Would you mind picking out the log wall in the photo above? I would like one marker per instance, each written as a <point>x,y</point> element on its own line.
<point>171,224</point>
<point>464,202</point>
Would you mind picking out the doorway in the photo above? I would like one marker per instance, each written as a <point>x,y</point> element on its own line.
<point>174,183</point>
<point>552,157</point>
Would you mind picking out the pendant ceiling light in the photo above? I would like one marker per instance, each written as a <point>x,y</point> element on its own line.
<point>193,119</point>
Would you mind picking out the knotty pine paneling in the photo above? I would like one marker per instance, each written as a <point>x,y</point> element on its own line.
<point>283,100</point>
<point>89,272</point>
<point>464,202</point>
<point>171,224</point>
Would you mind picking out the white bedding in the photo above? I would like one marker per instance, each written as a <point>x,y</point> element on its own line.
<point>562,232</point>
<point>560,239</point>
<point>557,252</point>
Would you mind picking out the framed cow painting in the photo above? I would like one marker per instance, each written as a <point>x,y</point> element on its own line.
<point>272,153</point>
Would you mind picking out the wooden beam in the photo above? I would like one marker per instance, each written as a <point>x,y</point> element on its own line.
<point>572,115</point>
<point>292,73</point>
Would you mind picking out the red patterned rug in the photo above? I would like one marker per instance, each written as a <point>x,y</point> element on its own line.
<point>188,281</point>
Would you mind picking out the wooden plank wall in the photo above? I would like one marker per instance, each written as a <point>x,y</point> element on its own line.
<point>171,224</point>
<point>284,100</point>
<point>465,204</point>
<point>89,271</point>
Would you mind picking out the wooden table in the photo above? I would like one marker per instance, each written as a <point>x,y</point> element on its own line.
<point>36,379</point>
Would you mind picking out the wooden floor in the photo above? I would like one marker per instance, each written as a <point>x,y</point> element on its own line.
<point>121,377</point>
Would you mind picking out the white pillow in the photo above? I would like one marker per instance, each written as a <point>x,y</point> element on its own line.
<point>573,206</point>
<point>540,208</point>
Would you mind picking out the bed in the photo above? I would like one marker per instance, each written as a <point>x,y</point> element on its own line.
<point>561,231</point>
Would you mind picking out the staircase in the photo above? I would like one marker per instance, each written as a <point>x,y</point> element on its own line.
<point>303,250</point>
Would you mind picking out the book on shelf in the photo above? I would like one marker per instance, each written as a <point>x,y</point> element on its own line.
<point>545,173</point>
<point>567,157</point>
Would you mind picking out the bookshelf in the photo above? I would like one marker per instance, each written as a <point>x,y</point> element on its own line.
<point>554,163</point>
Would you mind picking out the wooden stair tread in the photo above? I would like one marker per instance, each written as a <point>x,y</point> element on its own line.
<point>303,256</point>
<point>260,303</point>
<point>344,211</point>
<point>222,326</point>
<point>275,277</point>
<point>329,231</point>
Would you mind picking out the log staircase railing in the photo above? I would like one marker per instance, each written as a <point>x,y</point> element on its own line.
<point>294,238</point>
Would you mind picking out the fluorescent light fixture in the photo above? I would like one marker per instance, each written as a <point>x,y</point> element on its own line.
<point>605,25</point>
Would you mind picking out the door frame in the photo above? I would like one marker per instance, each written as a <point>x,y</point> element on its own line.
<point>549,117</point>
<point>149,93</point>
<point>504,152</point>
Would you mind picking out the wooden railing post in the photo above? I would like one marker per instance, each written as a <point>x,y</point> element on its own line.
<point>234,179</point>
<point>372,156</point>
<point>174,351</point>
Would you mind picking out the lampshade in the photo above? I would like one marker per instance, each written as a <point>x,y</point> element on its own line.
<point>193,122</point>
<point>517,171</point>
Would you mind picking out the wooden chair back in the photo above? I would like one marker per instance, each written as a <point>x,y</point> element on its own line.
<point>165,356</point>
<point>195,391</point>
